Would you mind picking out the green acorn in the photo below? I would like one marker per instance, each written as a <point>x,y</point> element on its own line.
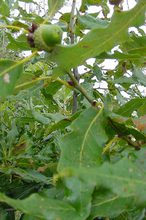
<point>46,37</point>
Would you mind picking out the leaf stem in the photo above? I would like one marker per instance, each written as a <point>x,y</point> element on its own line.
<point>13,27</point>
<point>43,78</point>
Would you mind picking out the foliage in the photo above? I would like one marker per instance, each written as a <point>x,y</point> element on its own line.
<point>73,143</point>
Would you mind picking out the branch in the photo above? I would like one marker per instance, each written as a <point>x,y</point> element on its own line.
<point>72,39</point>
<point>81,89</point>
<point>135,144</point>
<point>72,22</point>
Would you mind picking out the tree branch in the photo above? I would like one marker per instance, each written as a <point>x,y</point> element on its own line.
<point>81,89</point>
<point>72,39</point>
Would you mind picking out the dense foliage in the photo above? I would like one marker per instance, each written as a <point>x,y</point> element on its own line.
<point>72,130</point>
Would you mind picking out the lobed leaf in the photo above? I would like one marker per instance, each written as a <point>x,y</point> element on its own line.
<point>83,145</point>
<point>100,40</point>
<point>89,22</point>
<point>108,204</point>
<point>43,207</point>
<point>123,178</point>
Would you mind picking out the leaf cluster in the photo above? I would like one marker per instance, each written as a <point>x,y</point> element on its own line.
<point>56,163</point>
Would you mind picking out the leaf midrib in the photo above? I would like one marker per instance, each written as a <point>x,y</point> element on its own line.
<point>86,135</point>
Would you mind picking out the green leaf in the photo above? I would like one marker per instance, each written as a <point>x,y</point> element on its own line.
<point>20,43</point>
<point>54,6</point>
<point>124,129</point>
<point>44,208</point>
<point>135,45</point>
<point>140,159</point>
<point>140,76</point>
<point>31,175</point>
<point>119,55</point>
<point>125,81</point>
<point>27,174</point>
<point>83,145</point>
<point>80,195</point>
<point>29,17</point>
<point>97,72</point>
<point>89,2</point>
<point>9,79</point>
<point>123,178</point>
<point>128,108</point>
<point>19,24</point>
<point>52,88</point>
<point>13,133</point>
<point>4,9</point>
<point>62,124</point>
<point>107,204</point>
<point>121,185</point>
<point>142,109</point>
<point>40,118</point>
<point>28,217</point>
<point>89,22</point>
<point>26,80</point>
<point>92,2</point>
<point>100,40</point>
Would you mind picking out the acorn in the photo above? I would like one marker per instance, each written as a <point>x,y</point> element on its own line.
<point>46,37</point>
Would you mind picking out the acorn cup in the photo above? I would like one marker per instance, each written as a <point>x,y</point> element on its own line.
<point>45,37</point>
<point>115,2</point>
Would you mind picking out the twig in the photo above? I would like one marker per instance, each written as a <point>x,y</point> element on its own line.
<point>72,22</point>
<point>81,89</point>
<point>135,144</point>
<point>72,39</point>
<point>75,94</point>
